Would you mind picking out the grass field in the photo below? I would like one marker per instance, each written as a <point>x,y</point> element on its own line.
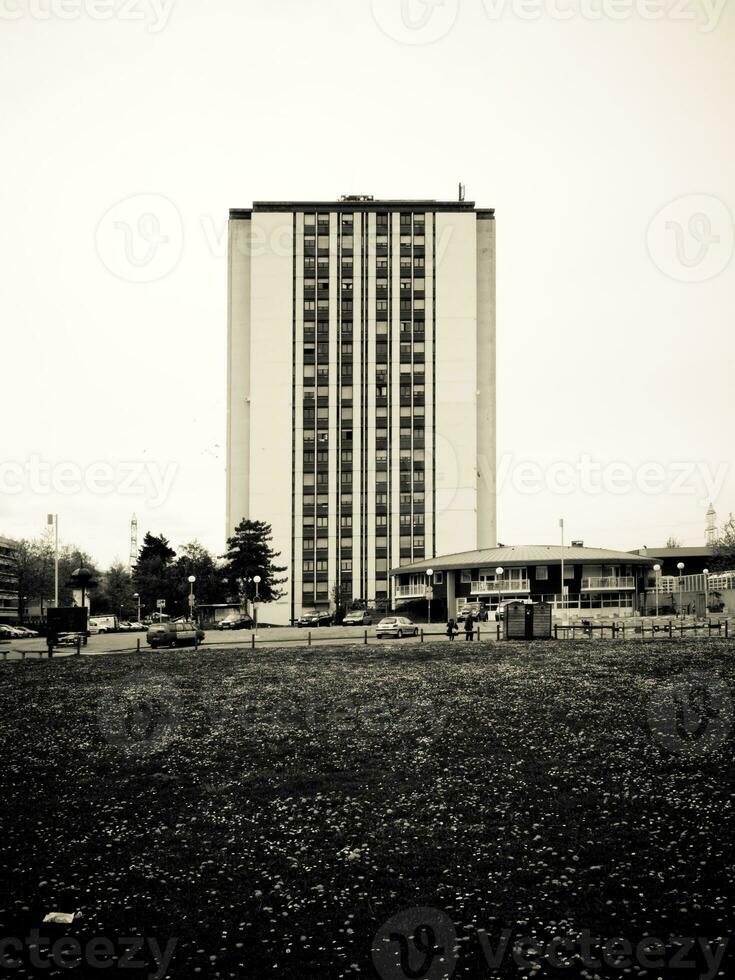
<point>272,811</point>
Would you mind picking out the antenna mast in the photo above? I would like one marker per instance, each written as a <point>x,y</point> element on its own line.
<point>133,543</point>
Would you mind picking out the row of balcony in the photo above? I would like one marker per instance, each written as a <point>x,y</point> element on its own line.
<point>520,586</point>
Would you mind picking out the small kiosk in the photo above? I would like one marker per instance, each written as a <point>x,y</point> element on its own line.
<point>527,621</point>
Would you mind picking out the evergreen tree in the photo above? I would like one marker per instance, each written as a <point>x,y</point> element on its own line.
<point>154,576</point>
<point>248,554</point>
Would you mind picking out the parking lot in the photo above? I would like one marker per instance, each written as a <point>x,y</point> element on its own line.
<point>281,635</point>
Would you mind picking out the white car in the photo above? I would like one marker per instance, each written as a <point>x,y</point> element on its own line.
<point>397,626</point>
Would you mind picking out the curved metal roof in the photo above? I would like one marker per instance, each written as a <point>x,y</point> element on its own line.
<point>529,554</point>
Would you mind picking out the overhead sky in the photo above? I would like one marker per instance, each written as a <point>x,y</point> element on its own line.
<point>602,134</point>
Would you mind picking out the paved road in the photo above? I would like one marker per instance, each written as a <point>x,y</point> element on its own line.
<point>283,635</point>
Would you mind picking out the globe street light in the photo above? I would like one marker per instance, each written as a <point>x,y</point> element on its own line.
<point>499,571</point>
<point>680,566</point>
<point>136,595</point>
<point>429,590</point>
<point>705,572</point>
<point>657,570</point>
<point>257,580</point>
<point>192,580</point>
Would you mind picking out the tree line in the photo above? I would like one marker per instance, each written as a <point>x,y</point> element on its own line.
<point>159,573</point>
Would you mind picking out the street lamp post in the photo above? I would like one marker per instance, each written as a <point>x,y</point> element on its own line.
<point>499,571</point>
<point>429,588</point>
<point>257,580</point>
<point>136,596</point>
<point>680,566</point>
<point>657,570</point>
<point>192,579</point>
<point>705,572</point>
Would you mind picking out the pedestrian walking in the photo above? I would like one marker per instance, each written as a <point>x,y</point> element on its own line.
<point>469,627</point>
<point>451,629</point>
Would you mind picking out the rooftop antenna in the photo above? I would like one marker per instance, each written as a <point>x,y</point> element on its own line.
<point>462,190</point>
<point>133,560</point>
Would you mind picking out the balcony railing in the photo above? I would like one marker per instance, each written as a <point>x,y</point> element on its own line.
<point>500,586</point>
<point>410,591</point>
<point>598,583</point>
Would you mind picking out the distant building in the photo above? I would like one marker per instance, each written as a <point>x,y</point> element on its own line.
<point>8,581</point>
<point>361,377</point>
<point>612,582</point>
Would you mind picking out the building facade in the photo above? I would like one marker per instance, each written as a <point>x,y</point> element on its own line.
<point>588,579</point>
<point>361,388</point>
<point>8,581</point>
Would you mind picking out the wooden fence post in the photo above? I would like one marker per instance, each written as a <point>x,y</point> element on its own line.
<point>422,634</point>
<point>366,640</point>
<point>309,638</point>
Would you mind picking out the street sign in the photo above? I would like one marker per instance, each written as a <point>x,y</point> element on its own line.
<point>429,592</point>
<point>160,604</point>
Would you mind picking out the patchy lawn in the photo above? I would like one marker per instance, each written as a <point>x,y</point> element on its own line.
<point>270,811</point>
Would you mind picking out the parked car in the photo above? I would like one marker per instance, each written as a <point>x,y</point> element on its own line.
<point>69,639</point>
<point>235,622</point>
<point>397,626</point>
<point>16,632</point>
<point>316,618</point>
<point>358,617</point>
<point>102,624</point>
<point>178,634</point>
<point>478,610</point>
<point>24,631</point>
<point>6,632</point>
<point>137,627</point>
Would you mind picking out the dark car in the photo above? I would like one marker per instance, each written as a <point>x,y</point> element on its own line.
<point>315,619</point>
<point>178,634</point>
<point>235,623</point>
<point>477,610</point>
<point>358,617</point>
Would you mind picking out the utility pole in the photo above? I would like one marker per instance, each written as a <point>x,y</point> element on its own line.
<point>563,604</point>
<point>53,519</point>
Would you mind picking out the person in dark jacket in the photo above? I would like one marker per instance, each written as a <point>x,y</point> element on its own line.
<point>451,629</point>
<point>469,627</point>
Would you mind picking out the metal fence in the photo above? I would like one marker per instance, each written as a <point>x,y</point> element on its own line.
<point>488,632</point>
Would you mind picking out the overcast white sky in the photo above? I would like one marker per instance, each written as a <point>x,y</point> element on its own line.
<point>579,123</point>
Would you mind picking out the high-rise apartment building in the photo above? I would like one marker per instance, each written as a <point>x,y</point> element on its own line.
<point>361,387</point>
